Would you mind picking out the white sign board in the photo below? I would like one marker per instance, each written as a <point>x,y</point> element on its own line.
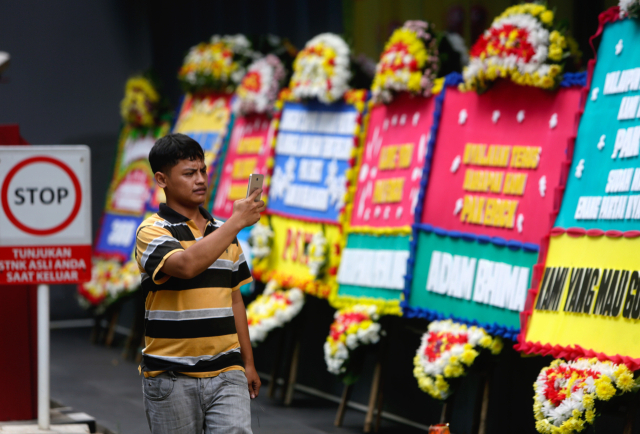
<point>45,214</point>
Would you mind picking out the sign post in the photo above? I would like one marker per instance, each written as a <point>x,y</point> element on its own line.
<point>45,231</point>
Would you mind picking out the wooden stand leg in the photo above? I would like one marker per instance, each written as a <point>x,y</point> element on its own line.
<point>480,418</point>
<point>373,395</point>
<point>276,365</point>
<point>293,372</point>
<point>112,327</point>
<point>342,408</point>
<point>445,415</point>
<point>379,408</point>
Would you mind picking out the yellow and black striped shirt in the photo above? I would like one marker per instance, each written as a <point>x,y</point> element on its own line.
<point>189,323</point>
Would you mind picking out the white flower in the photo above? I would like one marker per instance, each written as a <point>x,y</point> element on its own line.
<point>352,341</point>
<point>310,70</point>
<point>282,305</point>
<point>260,239</point>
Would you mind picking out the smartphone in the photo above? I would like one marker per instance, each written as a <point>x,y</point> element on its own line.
<point>255,183</point>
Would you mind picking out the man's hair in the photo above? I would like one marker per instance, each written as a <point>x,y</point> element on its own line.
<point>170,149</point>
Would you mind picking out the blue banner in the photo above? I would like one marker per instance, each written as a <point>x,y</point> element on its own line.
<point>313,153</point>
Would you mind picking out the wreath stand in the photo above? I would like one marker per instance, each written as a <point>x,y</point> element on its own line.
<point>482,403</point>
<point>293,334</point>
<point>375,394</point>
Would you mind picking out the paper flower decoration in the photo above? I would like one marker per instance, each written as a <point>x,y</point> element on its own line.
<point>566,393</point>
<point>447,349</point>
<point>353,326</point>
<point>321,69</point>
<point>258,90</point>
<point>260,240</point>
<point>409,62</point>
<point>273,308</point>
<point>110,279</point>
<point>521,45</point>
<point>139,107</point>
<point>218,65</point>
<point>317,254</point>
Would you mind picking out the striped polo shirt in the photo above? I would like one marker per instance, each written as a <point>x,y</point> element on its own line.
<point>189,323</point>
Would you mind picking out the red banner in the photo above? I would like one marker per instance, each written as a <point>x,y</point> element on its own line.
<point>499,159</point>
<point>249,150</point>
<point>49,264</point>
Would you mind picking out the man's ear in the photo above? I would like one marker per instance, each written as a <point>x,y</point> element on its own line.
<point>161,179</point>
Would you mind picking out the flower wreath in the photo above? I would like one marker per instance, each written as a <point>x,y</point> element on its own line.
<point>629,8</point>
<point>447,348</point>
<point>565,392</point>
<point>218,65</point>
<point>521,45</point>
<point>139,108</point>
<point>353,326</point>
<point>409,62</point>
<point>273,308</point>
<point>260,240</point>
<point>258,90</point>
<point>110,279</point>
<point>321,69</point>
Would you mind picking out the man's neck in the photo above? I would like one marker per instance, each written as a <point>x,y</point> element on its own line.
<point>190,212</point>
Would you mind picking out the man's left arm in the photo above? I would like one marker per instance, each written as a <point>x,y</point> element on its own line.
<point>242,328</point>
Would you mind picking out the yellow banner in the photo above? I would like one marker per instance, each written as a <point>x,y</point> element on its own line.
<point>288,260</point>
<point>590,295</point>
<point>209,113</point>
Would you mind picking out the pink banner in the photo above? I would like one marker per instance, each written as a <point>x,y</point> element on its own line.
<point>394,155</point>
<point>498,160</point>
<point>249,150</point>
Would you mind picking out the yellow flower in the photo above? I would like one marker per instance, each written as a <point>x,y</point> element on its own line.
<point>453,370</point>
<point>468,357</point>
<point>547,82</point>
<point>588,401</point>
<point>590,415</point>
<point>425,383</point>
<point>546,17</point>
<point>353,328</point>
<point>624,380</point>
<point>543,426</point>
<point>414,82</point>
<point>438,83</point>
<point>554,70</point>
<point>604,388</point>
<point>496,346</point>
<point>485,341</point>
<point>442,384</point>
<point>555,52</point>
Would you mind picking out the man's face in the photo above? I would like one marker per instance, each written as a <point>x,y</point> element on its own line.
<point>186,182</point>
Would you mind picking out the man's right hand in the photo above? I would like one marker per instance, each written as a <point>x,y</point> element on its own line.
<point>246,212</point>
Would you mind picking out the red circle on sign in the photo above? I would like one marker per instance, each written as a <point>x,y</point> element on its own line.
<point>5,192</point>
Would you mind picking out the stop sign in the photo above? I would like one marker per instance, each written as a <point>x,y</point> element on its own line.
<point>45,214</point>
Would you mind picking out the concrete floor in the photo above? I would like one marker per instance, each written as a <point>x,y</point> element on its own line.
<point>95,380</point>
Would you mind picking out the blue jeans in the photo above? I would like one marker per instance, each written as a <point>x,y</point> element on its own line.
<point>178,404</point>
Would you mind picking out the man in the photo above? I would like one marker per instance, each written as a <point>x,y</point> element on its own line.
<point>197,362</point>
